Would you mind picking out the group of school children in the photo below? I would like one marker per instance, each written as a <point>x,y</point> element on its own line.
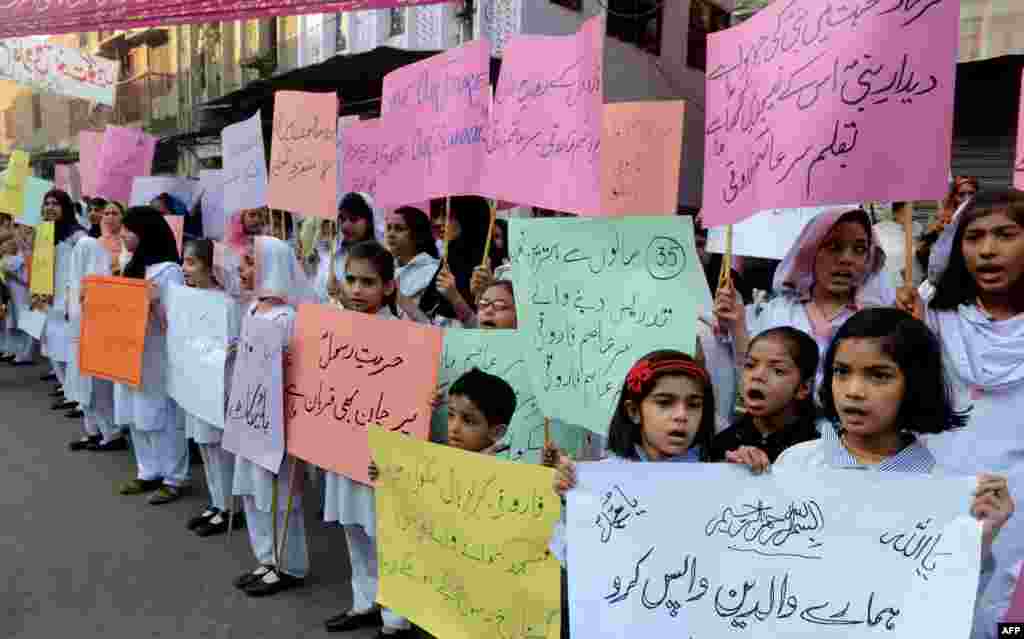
<point>836,368</point>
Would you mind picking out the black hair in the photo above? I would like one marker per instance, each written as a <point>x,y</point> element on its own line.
<point>97,203</point>
<point>67,224</point>
<point>464,254</point>
<point>156,240</point>
<point>499,255</point>
<point>202,250</point>
<point>419,229</point>
<point>382,261</point>
<point>927,405</point>
<point>493,396</point>
<point>624,435</point>
<point>804,351</point>
<point>957,286</point>
<point>357,206</point>
<point>857,216</point>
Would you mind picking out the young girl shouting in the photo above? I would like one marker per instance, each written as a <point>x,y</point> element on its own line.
<point>884,386</point>
<point>778,381</point>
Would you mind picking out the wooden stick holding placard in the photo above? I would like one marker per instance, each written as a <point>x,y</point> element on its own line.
<point>490,232</point>
<point>547,431</point>
<point>725,273</point>
<point>447,223</point>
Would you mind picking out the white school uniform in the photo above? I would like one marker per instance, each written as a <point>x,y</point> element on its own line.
<point>157,425</point>
<point>352,505</point>
<point>94,396</point>
<point>279,275</point>
<point>416,275</point>
<point>984,360</point>
<point>218,463</point>
<point>20,343</point>
<point>56,334</point>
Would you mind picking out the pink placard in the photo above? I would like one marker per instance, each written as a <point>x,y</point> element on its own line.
<point>177,224</point>
<point>366,152</point>
<point>813,103</point>
<point>89,143</point>
<point>641,152</point>
<point>303,154</point>
<point>545,137</point>
<point>441,106</point>
<point>349,372</point>
<point>126,153</point>
<point>1018,164</point>
<point>29,17</point>
<point>67,179</point>
<point>254,419</point>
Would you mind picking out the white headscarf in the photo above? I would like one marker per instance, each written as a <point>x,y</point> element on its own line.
<point>89,257</point>
<point>341,252</point>
<point>278,272</point>
<point>795,275</point>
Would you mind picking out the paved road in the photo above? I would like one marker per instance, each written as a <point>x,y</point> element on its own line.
<point>77,561</point>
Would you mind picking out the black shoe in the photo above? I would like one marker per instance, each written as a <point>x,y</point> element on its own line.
<point>7,359</point>
<point>239,521</point>
<point>64,405</point>
<point>216,525</point>
<point>281,581</point>
<point>25,363</point>
<point>117,444</point>
<point>49,377</point>
<point>251,577</point>
<point>347,621</point>
<point>83,444</point>
<point>201,518</point>
<point>75,413</point>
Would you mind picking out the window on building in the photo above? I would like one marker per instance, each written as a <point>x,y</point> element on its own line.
<point>37,112</point>
<point>571,5</point>
<point>638,22</point>
<point>397,22</point>
<point>705,17</point>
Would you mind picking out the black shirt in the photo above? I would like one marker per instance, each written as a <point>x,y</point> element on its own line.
<point>744,433</point>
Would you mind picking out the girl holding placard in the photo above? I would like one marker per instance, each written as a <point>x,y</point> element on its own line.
<point>157,425</point>
<point>369,288</point>
<point>218,462</point>
<point>978,314</point>
<point>271,273</point>
<point>833,269</point>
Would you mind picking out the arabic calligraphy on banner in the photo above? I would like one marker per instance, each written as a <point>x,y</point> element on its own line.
<point>49,67</point>
<point>597,294</point>
<point>463,541</point>
<point>441,105</point>
<point>1018,165</point>
<point>245,166</point>
<point>254,419</point>
<point>503,353</point>
<point>762,554</point>
<point>30,17</point>
<point>806,98</point>
<point>350,372</point>
<point>547,121</point>
<point>304,154</point>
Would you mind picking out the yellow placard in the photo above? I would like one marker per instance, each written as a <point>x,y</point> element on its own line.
<point>12,186</point>
<point>42,260</point>
<point>463,541</point>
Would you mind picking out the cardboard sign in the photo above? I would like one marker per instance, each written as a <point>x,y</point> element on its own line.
<point>812,103</point>
<point>303,154</point>
<point>350,373</point>
<point>126,154</point>
<point>113,336</point>
<point>245,166</point>
<point>44,253</point>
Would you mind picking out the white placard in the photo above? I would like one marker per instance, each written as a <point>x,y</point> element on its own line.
<point>198,330</point>
<point>767,234</point>
<point>245,165</point>
<point>834,553</point>
<point>211,189</point>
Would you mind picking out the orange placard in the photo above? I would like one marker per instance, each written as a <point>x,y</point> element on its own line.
<point>113,336</point>
<point>347,372</point>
